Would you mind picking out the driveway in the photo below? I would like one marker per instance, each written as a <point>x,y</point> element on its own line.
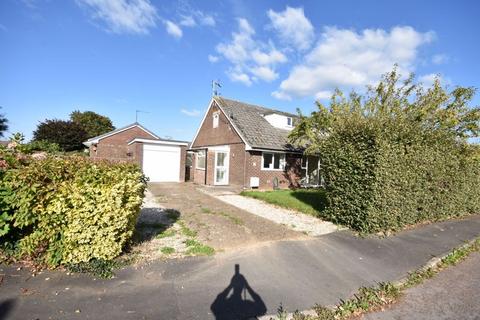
<point>218,224</point>
<point>297,274</point>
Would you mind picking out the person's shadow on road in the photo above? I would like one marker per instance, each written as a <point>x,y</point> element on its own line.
<point>236,305</point>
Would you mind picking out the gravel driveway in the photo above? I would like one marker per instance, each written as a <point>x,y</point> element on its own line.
<point>217,223</point>
<point>291,219</point>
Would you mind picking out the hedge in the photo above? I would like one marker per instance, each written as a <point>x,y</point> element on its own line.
<point>69,210</point>
<point>397,155</point>
<point>375,183</point>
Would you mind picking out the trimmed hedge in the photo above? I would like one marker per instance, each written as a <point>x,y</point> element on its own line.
<point>70,210</point>
<point>397,156</point>
<point>375,183</point>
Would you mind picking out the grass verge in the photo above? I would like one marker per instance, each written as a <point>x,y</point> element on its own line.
<point>309,201</point>
<point>369,299</point>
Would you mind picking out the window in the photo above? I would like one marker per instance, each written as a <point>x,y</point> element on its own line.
<point>215,119</point>
<point>200,163</point>
<point>304,162</point>
<point>273,161</point>
<point>289,122</point>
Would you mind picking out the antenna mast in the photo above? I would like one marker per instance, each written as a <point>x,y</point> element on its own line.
<point>137,112</point>
<point>215,87</point>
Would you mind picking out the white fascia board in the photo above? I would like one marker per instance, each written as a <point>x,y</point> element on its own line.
<point>272,150</point>
<point>203,120</point>
<point>234,127</point>
<point>97,139</point>
<point>226,116</point>
<point>149,141</point>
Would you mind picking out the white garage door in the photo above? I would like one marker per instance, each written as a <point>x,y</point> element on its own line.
<point>161,163</point>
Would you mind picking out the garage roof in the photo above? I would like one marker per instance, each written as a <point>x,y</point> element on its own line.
<point>111,133</point>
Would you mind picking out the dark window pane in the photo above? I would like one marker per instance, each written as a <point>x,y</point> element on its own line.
<point>267,160</point>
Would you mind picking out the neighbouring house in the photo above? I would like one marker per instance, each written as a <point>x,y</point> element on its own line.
<point>247,145</point>
<point>161,160</point>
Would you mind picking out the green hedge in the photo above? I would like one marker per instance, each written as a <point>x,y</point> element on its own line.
<point>397,155</point>
<point>69,210</point>
<point>377,183</point>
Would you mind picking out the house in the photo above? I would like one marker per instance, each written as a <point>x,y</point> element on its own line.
<point>247,145</point>
<point>161,160</point>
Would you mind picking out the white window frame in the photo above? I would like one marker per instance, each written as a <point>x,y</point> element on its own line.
<point>216,119</point>
<point>282,161</point>
<point>306,162</point>
<point>289,119</point>
<point>204,152</point>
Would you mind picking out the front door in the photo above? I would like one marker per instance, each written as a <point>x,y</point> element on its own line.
<point>221,167</point>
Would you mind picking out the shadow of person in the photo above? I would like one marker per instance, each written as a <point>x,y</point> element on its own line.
<point>6,307</point>
<point>232,303</point>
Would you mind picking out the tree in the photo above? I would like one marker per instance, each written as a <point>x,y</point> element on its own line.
<point>68,135</point>
<point>398,105</point>
<point>397,155</point>
<point>93,123</point>
<point>3,124</point>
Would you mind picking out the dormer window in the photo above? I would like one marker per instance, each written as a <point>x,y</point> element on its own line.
<point>216,116</point>
<point>281,121</point>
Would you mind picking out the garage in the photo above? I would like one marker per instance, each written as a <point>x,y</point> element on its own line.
<point>162,160</point>
<point>161,163</point>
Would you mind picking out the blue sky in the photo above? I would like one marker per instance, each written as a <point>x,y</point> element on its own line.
<point>116,56</point>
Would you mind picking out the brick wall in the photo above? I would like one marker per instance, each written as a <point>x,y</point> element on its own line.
<point>198,175</point>
<point>236,167</point>
<point>222,135</point>
<point>289,178</point>
<point>115,147</point>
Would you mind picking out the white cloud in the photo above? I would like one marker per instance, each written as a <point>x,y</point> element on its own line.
<point>213,59</point>
<point>281,95</point>
<point>123,16</point>
<point>320,95</point>
<point>237,76</point>
<point>440,58</point>
<point>207,20</point>
<point>264,73</point>
<point>173,29</point>
<point>346,59</point>
<point>265,58</point>
<point>191,113</point>
<point>292,27</point>
<point>195,18</point>
<point>251,60</point>
<point>188,21</point>
<point>428,79</point>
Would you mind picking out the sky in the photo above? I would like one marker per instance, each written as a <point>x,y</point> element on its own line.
<point>114,57</point>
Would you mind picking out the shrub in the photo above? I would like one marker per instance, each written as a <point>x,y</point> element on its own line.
<point>71,210</point>
<point>41,145</point>
<point>396,157</point>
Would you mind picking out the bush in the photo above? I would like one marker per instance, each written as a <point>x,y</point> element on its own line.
<point>70,210</point>
<point>41,145</point>
<point>396,157</point>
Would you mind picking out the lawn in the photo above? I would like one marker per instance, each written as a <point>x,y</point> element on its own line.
<point>309,201</point>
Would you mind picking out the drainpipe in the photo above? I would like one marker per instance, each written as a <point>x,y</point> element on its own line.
<point>206,166</point>
<point>245,152</point>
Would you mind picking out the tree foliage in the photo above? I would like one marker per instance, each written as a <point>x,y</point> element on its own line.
<point>68,135</point>
<point>397,155</point>
<point>3,124</point>
<point>93,123</point>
